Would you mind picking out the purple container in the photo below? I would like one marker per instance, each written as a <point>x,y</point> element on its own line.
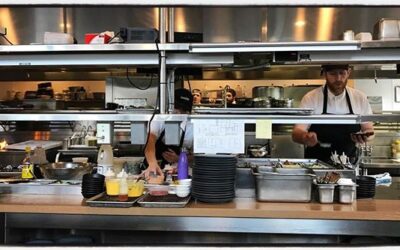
<point>183,165</point>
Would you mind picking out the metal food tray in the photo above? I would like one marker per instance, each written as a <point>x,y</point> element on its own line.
<point>303,162</point>
<point>103,200</point>
<point>163,203</point>
<point>288,187</point>
<point>285,111</point>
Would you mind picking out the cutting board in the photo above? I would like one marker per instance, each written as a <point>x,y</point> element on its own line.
<point>35,143</point>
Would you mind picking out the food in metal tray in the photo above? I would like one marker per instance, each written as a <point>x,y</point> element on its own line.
<point>329,178</point>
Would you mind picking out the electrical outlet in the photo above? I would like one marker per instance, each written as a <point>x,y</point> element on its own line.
<point>3,31</point>
<point>105,132</point>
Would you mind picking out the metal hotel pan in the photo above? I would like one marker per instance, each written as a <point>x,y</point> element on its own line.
<point>276,187</point>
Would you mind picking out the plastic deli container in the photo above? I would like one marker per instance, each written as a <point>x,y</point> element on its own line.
<point>347,193</point>
<point>158,190</point>
<point>326,193</point>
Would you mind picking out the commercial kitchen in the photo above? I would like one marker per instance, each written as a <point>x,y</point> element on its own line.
<point>82,83</point>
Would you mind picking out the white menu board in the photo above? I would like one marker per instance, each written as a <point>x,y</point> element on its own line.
<point>218,136</point>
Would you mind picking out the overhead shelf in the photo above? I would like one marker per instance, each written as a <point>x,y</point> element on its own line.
<point>104,55</point>
<point>132,116</point>
<point>285,119</point>
<point>91,48</point>
<point>102,115</point>
<point>381,118</point>
<point>98,3</point>
<point>274,47</point>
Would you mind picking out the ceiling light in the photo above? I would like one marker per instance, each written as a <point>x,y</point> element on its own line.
<point>300,23</point>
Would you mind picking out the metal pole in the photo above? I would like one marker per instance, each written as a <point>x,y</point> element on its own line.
<point>163,61</point>
<point>171,25</point>
<point>171,37</point>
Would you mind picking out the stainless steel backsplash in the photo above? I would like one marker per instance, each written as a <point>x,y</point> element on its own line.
<point>27,25</point>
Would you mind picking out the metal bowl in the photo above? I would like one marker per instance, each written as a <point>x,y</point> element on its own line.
<point>65,170</point>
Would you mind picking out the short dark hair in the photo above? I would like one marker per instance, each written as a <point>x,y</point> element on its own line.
<point>183,100</point>
<point>232,91</point>
<point>196,91</point>
<point>329,67</point>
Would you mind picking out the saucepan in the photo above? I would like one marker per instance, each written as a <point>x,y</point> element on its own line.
<point>66,170</point>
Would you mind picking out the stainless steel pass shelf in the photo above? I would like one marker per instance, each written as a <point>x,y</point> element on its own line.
<point>114,116</point>
<point>87,116</point>
<point>174,3</point>
<point>273,47</point>
<point>284,119</point>
<point>104,54</point>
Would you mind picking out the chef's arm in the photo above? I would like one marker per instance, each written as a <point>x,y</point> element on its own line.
<point>302,136</point>
<point>150,153</point>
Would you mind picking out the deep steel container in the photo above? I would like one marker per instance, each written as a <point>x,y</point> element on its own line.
<point>292,186</point>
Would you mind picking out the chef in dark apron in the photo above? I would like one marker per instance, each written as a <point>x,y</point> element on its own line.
<point>321,140</point>
<point>157,153</point>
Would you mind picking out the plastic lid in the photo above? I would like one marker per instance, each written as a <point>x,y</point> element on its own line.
<point>122,174</point>
<point>109,173</point>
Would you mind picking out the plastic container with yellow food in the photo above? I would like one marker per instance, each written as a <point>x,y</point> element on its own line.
<point>135,188</point>
<point>112,186</point>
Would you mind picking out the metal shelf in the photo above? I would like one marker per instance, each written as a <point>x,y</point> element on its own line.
<point>105,115</point>
<point>174,3</point>
<point>87,116</point>
<point>285,119</point>
<point>104,54</point>
<point>381,118</point>
<point>90,48</point>
<point>273,47</point>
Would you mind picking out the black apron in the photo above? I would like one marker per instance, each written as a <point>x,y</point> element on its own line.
<point>336,134</point>
<point>161,147</point>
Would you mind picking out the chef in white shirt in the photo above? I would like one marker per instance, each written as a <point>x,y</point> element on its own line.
<point>156,149</point>
<point>334,97</point>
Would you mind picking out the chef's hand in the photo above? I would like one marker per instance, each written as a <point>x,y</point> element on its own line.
<point>152,169</point>
<point>310,139</point>
<point>361,137</point>
<point>170,156</point>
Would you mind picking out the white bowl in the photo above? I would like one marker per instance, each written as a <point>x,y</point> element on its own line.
<point>185,182</point>
<point>182,193</point>
<point>182,187</point>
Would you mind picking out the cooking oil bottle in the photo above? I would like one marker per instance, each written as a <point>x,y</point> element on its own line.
<point>27,165</point>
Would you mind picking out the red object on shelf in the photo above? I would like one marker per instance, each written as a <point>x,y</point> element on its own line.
<point>96,38</point>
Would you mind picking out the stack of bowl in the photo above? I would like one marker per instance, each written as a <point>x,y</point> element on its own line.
<point>92,184</point>
<point>366,187</point>
<point>183,188</point>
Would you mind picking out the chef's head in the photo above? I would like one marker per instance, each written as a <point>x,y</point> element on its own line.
<point>196,93</point>
<point>183,101</point>
<point>336,76</point>
<point>230,95</point>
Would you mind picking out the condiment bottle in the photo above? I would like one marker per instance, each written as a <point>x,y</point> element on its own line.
<point>27,165</point>
<point>183,165</point>
<point>123,186</point>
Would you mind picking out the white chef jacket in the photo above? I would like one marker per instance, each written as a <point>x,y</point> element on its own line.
<point>336,104</point>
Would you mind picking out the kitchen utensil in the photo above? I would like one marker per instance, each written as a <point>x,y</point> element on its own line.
<point>65,170</point>
<point>268,91</point>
